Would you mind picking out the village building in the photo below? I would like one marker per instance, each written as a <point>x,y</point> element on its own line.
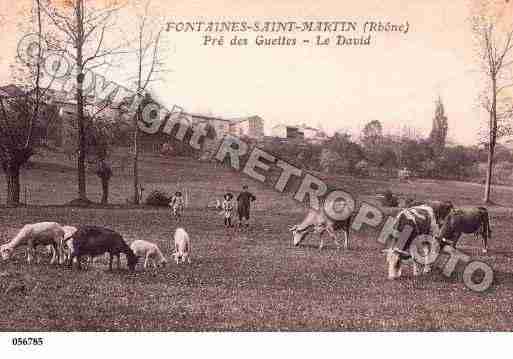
<point>252,127</point>
<point>303,132</point>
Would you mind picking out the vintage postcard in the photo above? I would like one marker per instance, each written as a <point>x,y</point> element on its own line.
<point>255,166</point>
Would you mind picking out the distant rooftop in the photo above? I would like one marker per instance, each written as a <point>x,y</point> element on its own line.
<point>206,117</point>
<point>217,118</point>
<point>244,119</point>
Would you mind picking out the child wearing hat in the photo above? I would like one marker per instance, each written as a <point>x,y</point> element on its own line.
<point>227,209</point>
<point>177,204</point>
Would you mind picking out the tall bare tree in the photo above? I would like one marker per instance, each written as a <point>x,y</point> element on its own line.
<point>494,39</point>
<point>148,51</point>
<point>82,28</point>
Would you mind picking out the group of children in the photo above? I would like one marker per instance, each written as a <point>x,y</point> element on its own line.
<point>243,206</point>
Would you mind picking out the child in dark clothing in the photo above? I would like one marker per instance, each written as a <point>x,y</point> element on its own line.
<point>243,205</point>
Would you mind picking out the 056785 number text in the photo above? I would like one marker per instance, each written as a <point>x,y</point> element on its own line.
<point>27,341</point>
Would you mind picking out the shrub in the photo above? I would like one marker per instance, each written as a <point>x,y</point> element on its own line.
<point>362,168</point>
<point>389,199</point>
<point>158,198</point>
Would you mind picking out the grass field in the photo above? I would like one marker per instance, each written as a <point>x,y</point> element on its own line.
<point>250,280</point>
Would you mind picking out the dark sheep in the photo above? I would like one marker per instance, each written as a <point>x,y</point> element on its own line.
<point>94,241</point>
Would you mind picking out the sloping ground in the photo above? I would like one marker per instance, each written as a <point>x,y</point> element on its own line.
<point>52,180</point>
<point>242,281</point>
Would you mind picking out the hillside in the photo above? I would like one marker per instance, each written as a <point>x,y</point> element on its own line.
<point>51,180</point>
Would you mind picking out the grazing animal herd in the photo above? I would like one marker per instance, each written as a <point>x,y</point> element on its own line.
<point>437,219</point>
<point>70,244</point>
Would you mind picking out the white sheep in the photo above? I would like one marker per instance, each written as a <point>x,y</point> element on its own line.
<point>182,246</point>
<point>67,242</point>
<point>32,235</point>
<point>150,251</point>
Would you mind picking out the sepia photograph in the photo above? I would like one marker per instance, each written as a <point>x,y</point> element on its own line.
<point>247,167</point>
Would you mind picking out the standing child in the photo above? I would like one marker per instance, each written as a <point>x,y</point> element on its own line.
<point>244,203</point>
<point>177,204</point>
<point>228,209</point>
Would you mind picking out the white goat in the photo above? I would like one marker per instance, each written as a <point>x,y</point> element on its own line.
<point>182,246</point>
<point>32,235</point>
<point>67,245</point>
<point>150,251</point>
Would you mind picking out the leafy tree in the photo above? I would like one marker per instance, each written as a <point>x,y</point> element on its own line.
<point>457,163</point>
<point>350,152</point>
<point>372,132</point>
<point>414,153</point>
<point>438,134</point>
<point>329,160</point>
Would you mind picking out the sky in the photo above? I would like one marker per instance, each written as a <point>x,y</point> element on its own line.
<point>395,80</point>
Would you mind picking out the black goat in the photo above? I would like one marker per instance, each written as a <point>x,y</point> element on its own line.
<point>94,241</point>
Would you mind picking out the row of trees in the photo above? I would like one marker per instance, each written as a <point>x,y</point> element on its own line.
<point>377,154</point>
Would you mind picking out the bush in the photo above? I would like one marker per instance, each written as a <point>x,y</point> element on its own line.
<point>389,199</point>
<point>362,168</point>
<point>158,198</point>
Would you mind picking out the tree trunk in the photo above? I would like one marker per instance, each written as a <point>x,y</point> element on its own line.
<point>493,138</point>
<point>488,183</point>
<point>136,159</point>
<point>80,107</point>
<point>105,190</point>
<point>12,174</point>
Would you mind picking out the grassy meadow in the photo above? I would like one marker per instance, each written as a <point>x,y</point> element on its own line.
<point>240,280</point>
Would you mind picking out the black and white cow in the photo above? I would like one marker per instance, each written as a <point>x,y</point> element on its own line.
<point>415,221</point>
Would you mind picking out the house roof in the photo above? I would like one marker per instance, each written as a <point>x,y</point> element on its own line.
<point>309,128</point>
<point>205,117</point>
<point>287,126</point>
<point>244,119</point>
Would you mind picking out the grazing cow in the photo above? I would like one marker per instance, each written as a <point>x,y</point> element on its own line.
<point>150,251</point>
<point>422,220</point>
<point>440,208</point>
<point>319,222</point>
<point>182,246</point>
<point>93,241</point>
<point>470,220</point>
<point>32,235</point>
